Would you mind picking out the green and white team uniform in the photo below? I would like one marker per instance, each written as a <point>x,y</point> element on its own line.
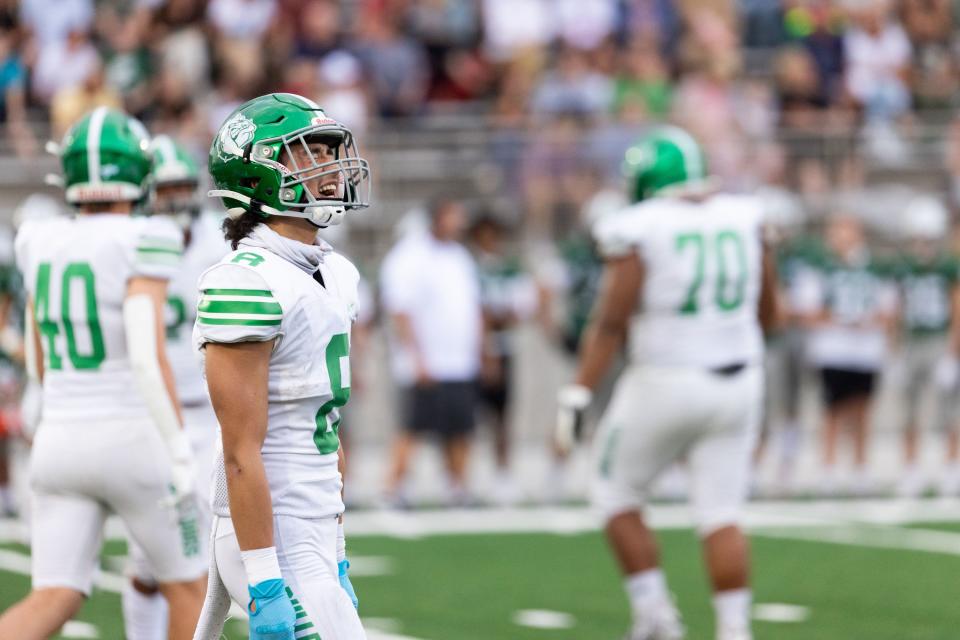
<point>303,298</point>
<point>206,248</point>
<point>925,291</point>
<point>853,294</point>
<point>693,386</point>
<point>96,450</point>
<point>253,294</point>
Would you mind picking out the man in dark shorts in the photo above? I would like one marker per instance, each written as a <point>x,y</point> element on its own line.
<point>431,292</point>
<point>848,302</point>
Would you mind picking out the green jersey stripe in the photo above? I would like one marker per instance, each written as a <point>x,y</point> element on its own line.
<point>239,292</point>
<point>175,252</point>
<point>235,322</point>
<point>217,306</point>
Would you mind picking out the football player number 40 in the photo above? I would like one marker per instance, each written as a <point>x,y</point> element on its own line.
<point>77,278</point>
<point>722,254</point>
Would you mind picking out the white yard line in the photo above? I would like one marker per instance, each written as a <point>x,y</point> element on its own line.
<point>572,520</point>
<point>543,619</point>
<point>875,536</point>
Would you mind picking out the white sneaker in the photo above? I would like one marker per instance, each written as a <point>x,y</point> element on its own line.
<point>734,634</point>
<point>662,623</point>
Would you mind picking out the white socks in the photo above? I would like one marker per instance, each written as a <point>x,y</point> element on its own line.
<point>733,609</point>
<point>144,616</point>
<point>646,589</point>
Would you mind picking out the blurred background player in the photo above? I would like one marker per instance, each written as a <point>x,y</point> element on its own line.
<point>687,277</point>
<point>11,363</point>
<point>784,355</point>
<point>927,276</point>
<point>431,293</point>
<point>508,296</point>
<point>174,193</point>
<point>273,325</point>
<point>847,301</point>
<point>97,286</point>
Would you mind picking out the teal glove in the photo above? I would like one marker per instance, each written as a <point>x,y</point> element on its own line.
<point>271,613</point>
<point>342,567</point>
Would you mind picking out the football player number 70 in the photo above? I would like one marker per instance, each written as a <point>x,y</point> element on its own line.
<point>724,254</point>
<point>76,273</point>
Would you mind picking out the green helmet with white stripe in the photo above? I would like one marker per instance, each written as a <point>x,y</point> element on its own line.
<point>281,155</point>
<point>174,181</point>
<point>666,161</point>
<point>172,163</point>
<point>105,158</point>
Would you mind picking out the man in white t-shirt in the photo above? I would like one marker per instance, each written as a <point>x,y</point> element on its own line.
<point>877,56</point>
<point>431,292</point>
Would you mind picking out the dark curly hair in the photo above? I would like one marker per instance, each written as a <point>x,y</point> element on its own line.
<point>236,229</point>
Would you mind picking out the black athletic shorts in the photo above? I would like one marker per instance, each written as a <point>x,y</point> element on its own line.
<point>840,385</point>
<point>444,408</point>
<point>496,395</point>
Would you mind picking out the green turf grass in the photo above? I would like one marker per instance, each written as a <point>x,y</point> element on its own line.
<point>469,587</point>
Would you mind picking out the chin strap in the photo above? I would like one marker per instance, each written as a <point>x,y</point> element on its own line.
<point>322,216</point>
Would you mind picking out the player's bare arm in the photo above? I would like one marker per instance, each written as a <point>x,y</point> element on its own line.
<point>237,379</point>
<point>34,349</point>
<point>770,307</point>
<point>606,333</point>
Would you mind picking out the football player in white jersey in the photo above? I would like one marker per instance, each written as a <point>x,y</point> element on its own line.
<point>273,326</point>
<point>174,182</point>
<point>97,285</point>
<point>686,279</point>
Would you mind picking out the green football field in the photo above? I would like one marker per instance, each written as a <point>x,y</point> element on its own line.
<point>844,582</point>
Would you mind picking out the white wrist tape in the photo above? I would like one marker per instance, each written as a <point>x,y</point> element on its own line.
<point>574,396</point>
<point>261,564</point>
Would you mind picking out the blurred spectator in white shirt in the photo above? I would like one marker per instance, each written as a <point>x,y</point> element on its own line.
<point>511,26</point>
<point>877,54</point>
<point>64,65</point>
<point>242,19</point>
<point>430,290</point>
<point>584,24</point>
<point>52,21</point>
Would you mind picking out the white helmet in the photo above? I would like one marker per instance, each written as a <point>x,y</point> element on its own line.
<point>925,217</point>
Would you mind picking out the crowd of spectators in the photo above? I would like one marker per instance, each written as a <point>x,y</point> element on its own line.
<point>753,79</point>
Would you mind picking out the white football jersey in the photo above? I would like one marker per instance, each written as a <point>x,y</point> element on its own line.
<point>702,263</point>
<point>253,294</point>
<point>206,248</point>
<point>76,272</point>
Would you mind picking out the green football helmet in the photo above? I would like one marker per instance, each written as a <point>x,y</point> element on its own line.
<point>105,158</point>
<point>174,173</point>
<point>261,160</point>
<point>665,161</point>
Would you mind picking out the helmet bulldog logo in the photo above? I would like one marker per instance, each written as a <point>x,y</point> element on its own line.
<point>235,135</point>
